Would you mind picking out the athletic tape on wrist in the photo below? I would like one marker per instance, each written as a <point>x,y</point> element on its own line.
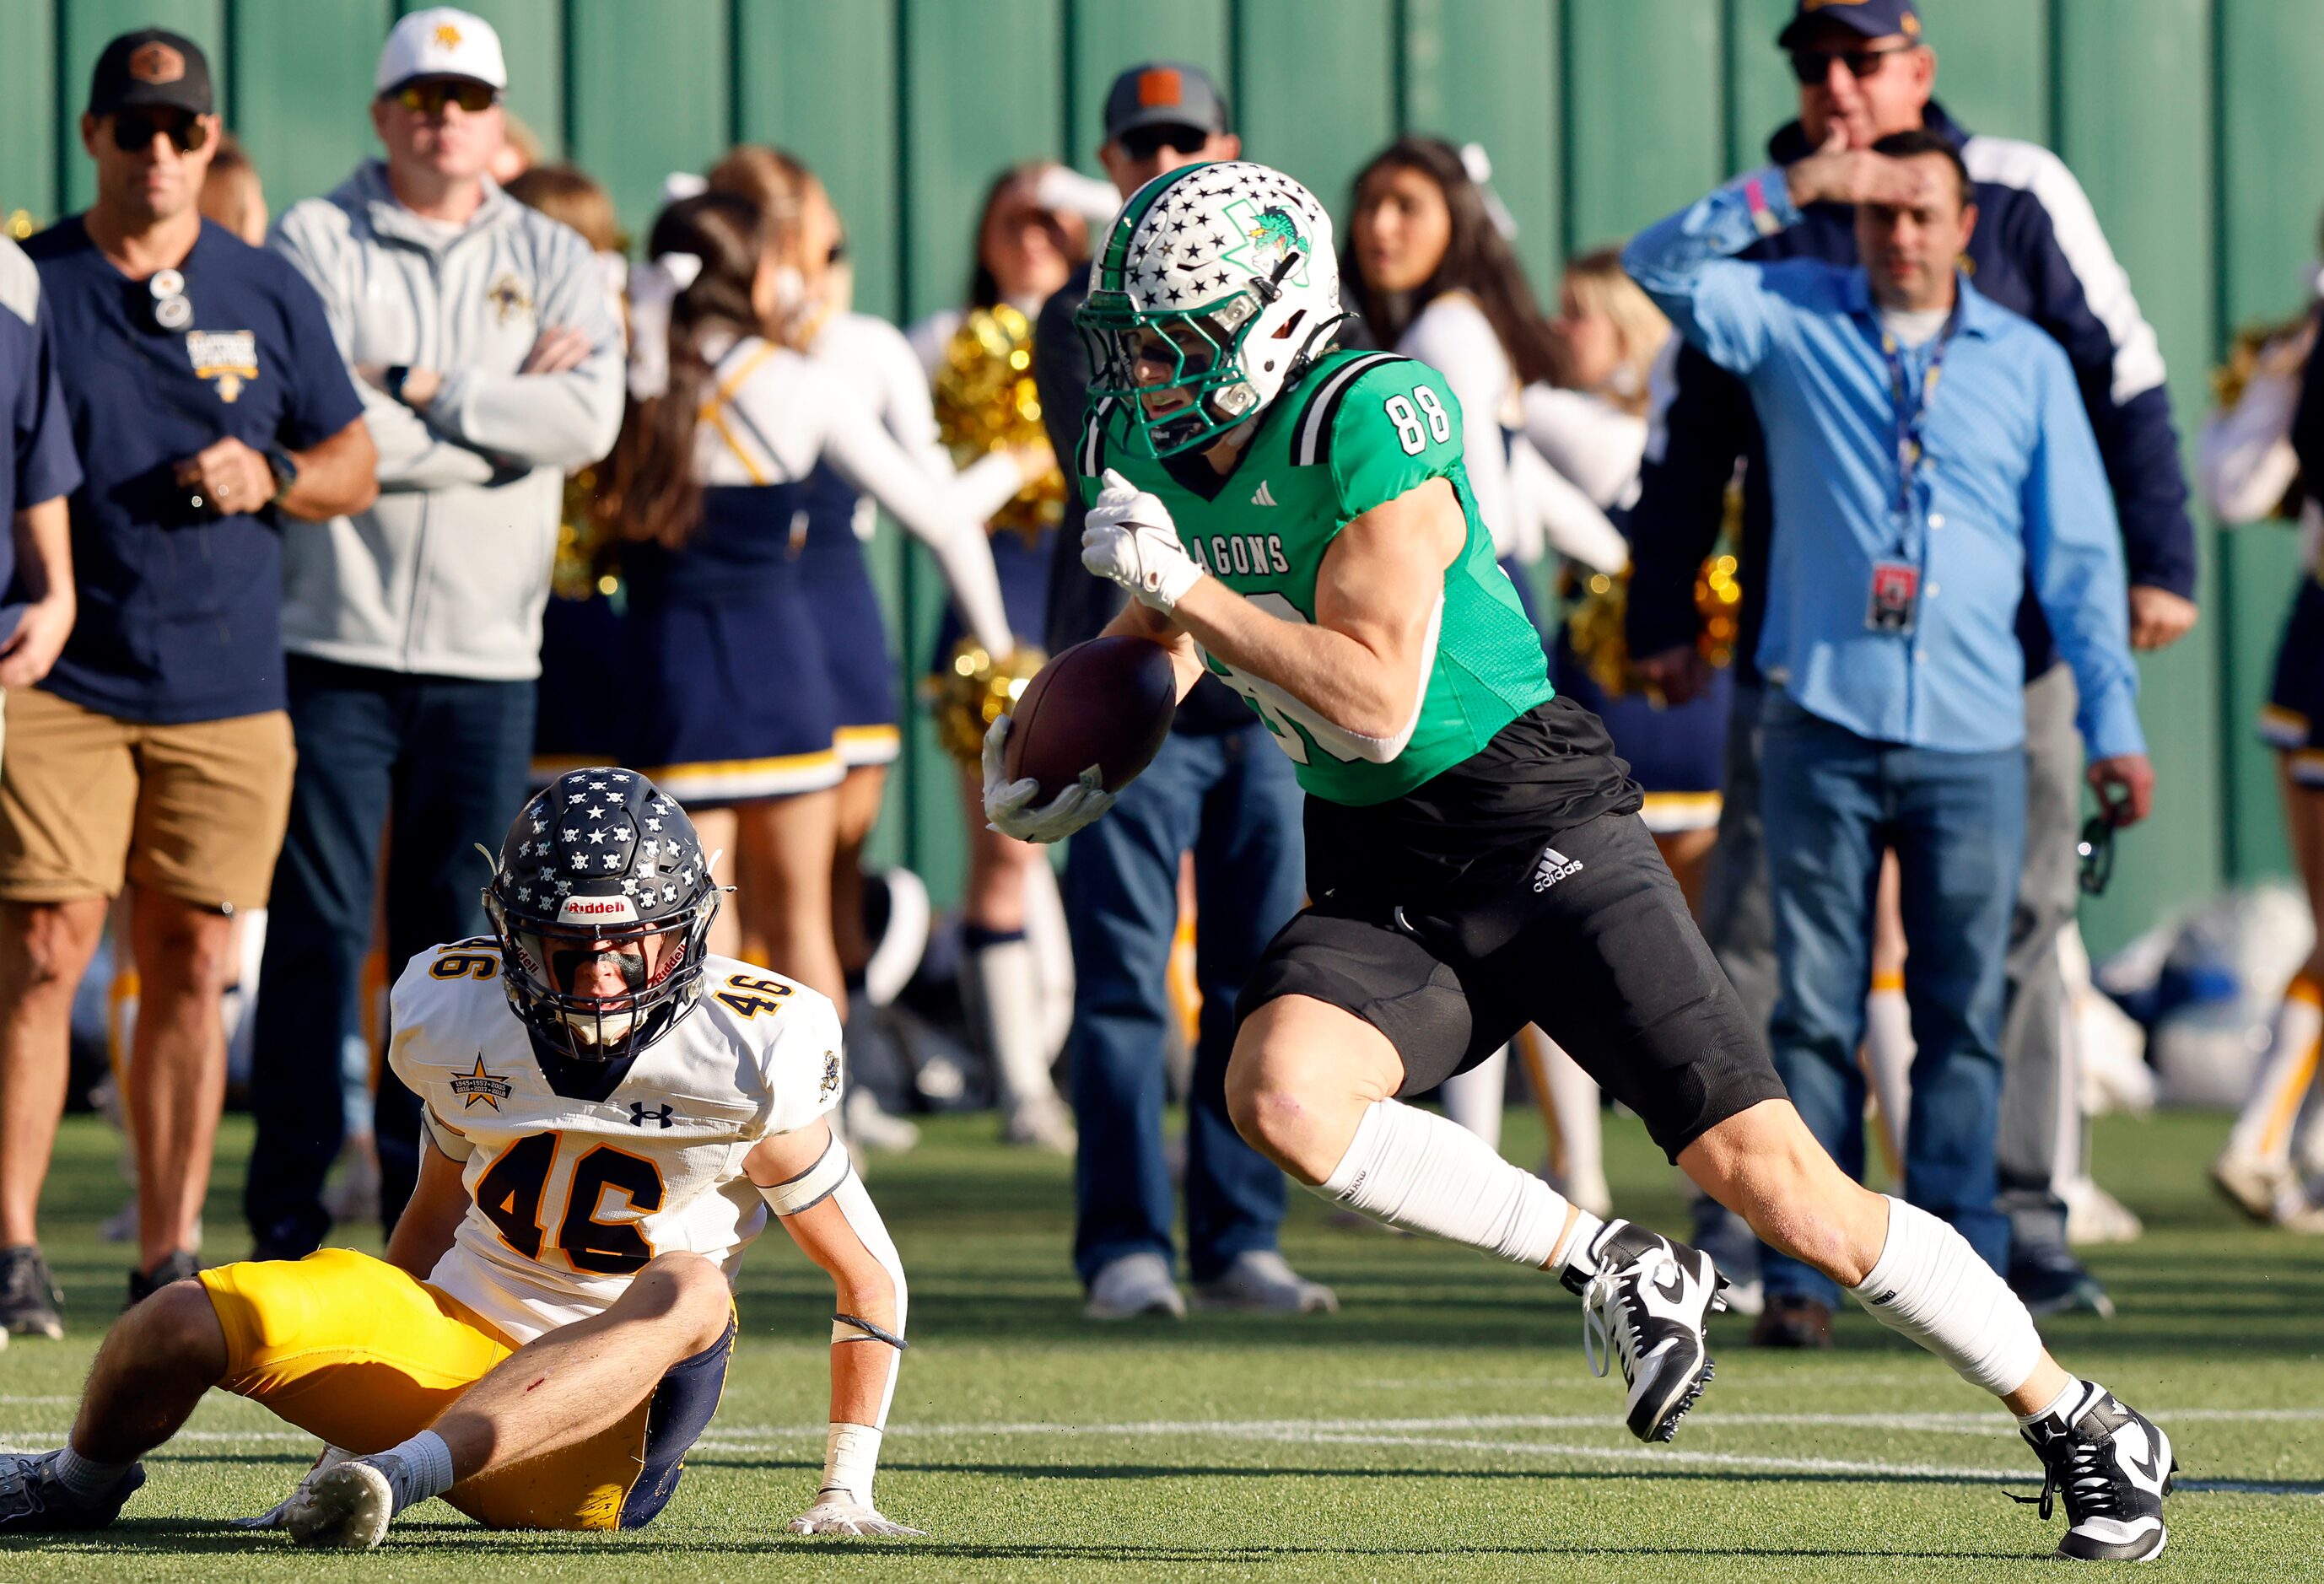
<point>812,1187</point>
<point>851,1454</point>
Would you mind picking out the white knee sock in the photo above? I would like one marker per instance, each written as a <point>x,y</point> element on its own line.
<point>2263,1127</point>
<point>1423,1172</point>
<point>1000,984</point>
<point>1475,1098</point>
<point>1929,1285</point>
<point>1888,1057</point>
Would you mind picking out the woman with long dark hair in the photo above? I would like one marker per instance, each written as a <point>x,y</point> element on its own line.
<point>731,708</point>
<point>1429,269</point>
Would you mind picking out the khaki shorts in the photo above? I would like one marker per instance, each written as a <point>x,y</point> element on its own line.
<point>194,811</point>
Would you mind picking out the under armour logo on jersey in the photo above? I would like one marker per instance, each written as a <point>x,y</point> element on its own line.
<point>1553,867</point>
<point>1264,497</point>
<point>639,1116</point>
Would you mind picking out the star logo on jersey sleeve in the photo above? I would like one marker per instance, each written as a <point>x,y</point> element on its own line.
<point>477,1084</point>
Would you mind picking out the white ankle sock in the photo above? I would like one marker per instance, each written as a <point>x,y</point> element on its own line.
<point>424,1470</point>
<point>1929,1285</point>
<point>84,1478</point>
<point>1421,1171</point>
<point>2062,1406</point>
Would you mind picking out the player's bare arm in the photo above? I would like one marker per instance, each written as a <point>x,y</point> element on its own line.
<point>808,1182</point>
<point>1362,663</point>
<point>432,1218</point>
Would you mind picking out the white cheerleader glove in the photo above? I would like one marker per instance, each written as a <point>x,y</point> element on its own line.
<point>1008,805</point>
<point>1127,537</point>
<point>837,1511</point>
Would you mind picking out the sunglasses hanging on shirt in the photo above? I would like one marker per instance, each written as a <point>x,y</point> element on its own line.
<point>172,310</point>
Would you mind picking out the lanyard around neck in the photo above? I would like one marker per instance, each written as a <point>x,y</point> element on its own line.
<point>1911,407</point>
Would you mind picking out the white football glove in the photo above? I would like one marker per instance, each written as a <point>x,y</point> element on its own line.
<point>837,1511</point>
<point>278,1517</point>
<point>1008,805</point>
<point>1128,538</point>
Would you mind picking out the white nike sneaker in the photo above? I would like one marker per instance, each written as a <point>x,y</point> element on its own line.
<point>1645,1300</point>
<point>1135,1284</point>
<point>2114,1466</point>
<point>1260,1280</point>
<point>346,1508</point>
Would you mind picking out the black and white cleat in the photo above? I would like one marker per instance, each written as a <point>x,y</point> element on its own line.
<point>1645,1300</point>
<point>2114,1466</point>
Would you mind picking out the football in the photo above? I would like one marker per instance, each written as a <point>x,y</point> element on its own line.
<point>1106,702</point>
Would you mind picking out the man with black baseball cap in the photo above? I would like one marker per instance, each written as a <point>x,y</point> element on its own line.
<point>209,410</point>
<point>1866,71</point>
<point>1218,787</point>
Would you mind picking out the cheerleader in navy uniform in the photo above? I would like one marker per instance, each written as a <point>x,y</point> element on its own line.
<point>731,704</point>
<point>871,358</point>
<point>1016,973</point>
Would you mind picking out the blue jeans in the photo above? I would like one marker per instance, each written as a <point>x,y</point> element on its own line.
<point>1833,801</point>
<point>440,763</point>
<point>1231,798</point>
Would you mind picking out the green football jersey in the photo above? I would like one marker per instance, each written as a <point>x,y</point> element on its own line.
<point>1361,429</point>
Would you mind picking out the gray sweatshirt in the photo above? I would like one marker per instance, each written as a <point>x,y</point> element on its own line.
<point>447,573</point>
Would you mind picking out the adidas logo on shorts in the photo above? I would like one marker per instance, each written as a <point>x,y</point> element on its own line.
<point>1553,867</point>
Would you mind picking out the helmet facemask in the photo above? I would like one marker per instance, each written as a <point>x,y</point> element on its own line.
<point>602,991</point>
<point>1205,393</point>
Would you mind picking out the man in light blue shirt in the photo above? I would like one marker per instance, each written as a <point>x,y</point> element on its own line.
<point>1933,457</point>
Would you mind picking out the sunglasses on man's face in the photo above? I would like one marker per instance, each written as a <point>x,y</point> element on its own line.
<point>1812,67</point>
<point>1143,143</point>
<point>133,130</point>
<point>428,98</point>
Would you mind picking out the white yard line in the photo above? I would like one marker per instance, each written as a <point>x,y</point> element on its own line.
<point>1435,1433</point>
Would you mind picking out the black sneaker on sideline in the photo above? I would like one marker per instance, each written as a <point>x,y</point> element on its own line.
<point>175,1268</point>
<point>2114,1466</point>
<point>2051,1281</point>
<point>1800,1323</point>
<point>32,1502</point>
<point>30,1303</point>
<point>1645,1300</point>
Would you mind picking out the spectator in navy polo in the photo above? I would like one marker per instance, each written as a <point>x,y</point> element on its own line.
<point>213,424</point>
<point>492,362</point>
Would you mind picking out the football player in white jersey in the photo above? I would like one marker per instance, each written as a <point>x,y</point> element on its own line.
<point>611,1115</point>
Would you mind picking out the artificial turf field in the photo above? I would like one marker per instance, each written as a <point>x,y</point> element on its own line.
<point>1442,1425</point>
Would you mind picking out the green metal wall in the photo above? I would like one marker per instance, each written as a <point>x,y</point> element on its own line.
<point>2193,124</point>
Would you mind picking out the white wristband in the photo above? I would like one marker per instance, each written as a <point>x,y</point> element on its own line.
<point>850,1456</point>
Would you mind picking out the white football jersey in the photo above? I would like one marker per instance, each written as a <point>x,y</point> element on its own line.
<point>569,1197</point>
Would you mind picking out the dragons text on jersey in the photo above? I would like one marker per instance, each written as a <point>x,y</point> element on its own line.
<point>1360,429</point>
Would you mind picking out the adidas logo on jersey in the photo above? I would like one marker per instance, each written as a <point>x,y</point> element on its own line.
<point>1553,867</point>
<point>1263,496</point>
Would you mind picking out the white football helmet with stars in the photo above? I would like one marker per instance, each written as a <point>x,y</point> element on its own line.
<point>1226,275</point>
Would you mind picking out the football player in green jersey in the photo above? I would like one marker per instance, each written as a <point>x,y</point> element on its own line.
<point>1296,519</point>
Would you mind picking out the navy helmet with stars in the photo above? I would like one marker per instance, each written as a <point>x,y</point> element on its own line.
<point>601,865</point>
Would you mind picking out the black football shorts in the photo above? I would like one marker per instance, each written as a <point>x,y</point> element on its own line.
<point>1584,933</point>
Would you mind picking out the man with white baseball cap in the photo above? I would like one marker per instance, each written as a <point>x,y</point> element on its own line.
<point>490,360</point>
